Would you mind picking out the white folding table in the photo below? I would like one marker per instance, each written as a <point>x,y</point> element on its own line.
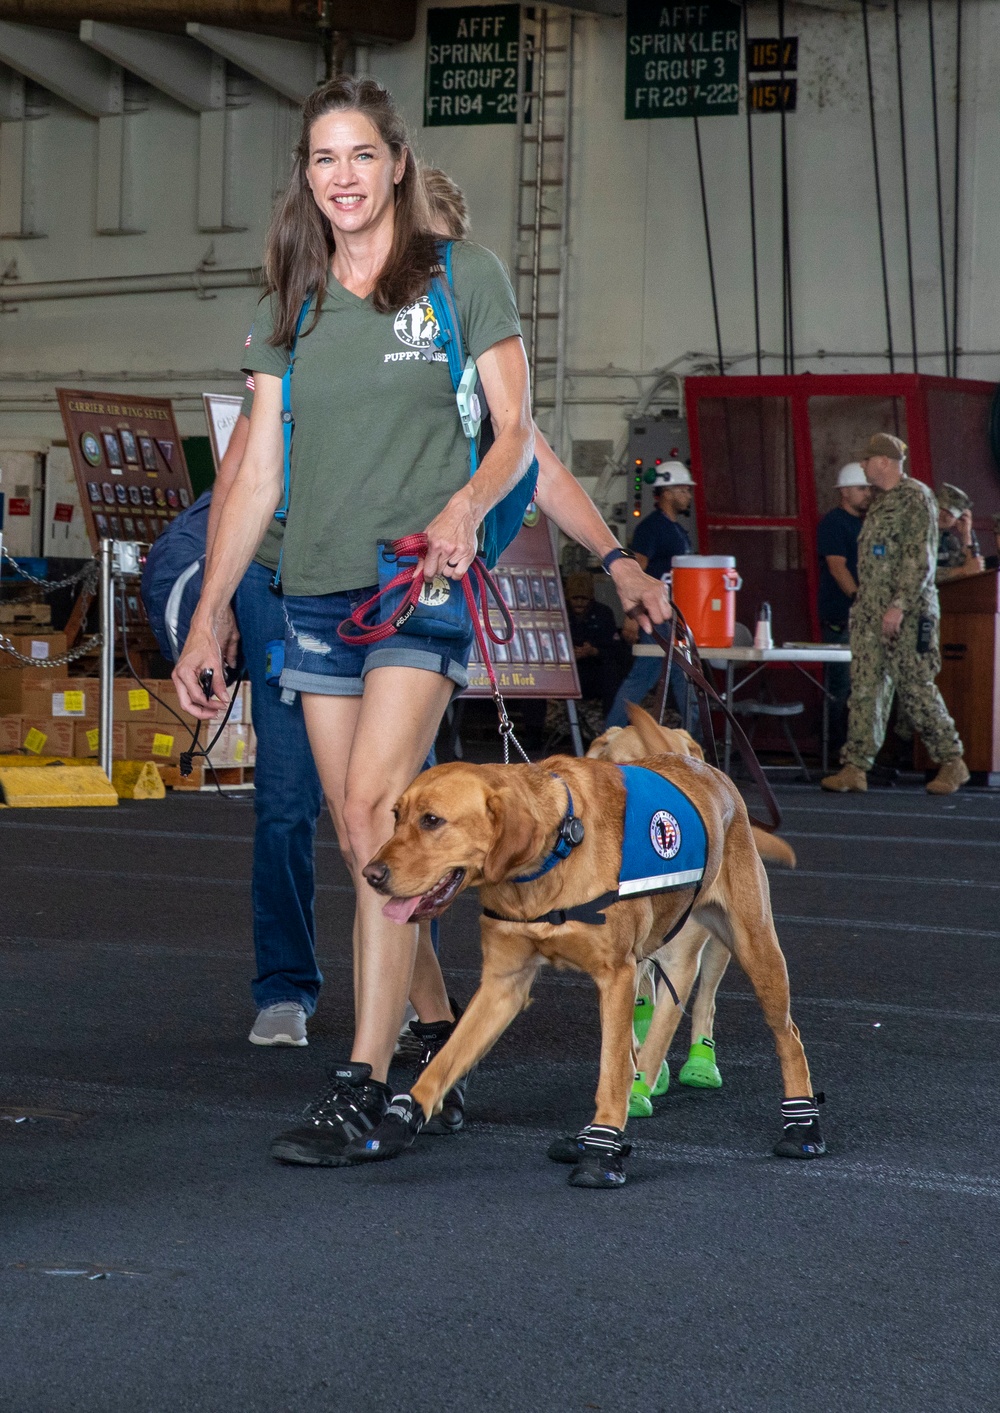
<point>797,655</point>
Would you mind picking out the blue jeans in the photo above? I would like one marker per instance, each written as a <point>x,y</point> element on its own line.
<point>642,679</point>
<point>287,802</point>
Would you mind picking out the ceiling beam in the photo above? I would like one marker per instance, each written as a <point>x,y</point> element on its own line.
<point>290,67</point>
<point>177,66</point>
<point>64,66</point>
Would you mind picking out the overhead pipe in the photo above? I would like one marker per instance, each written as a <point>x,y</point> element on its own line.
<point>13,292</point>
<point>387,21</point>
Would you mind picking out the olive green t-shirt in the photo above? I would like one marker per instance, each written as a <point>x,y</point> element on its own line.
<point>378,447</point>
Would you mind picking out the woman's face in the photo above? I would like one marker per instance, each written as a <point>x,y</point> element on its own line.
<point>352,173</point>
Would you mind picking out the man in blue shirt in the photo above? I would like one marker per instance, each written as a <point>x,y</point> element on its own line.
<point>837,543</point>
<point>657,539</point>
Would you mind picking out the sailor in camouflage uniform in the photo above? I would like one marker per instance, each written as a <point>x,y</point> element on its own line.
<point>894,626</point>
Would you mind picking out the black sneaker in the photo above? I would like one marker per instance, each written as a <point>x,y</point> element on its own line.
<point>433,1037</point>
<point>349,1108</point>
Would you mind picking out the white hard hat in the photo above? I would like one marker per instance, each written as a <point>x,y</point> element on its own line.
<point>853,474</point>
<point>672,473</point>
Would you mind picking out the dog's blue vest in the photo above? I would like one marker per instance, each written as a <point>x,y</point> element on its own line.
<point>664,844</point>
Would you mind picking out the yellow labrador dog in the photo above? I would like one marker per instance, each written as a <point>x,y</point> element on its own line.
<point>693,953</point>
<point>545,845</point>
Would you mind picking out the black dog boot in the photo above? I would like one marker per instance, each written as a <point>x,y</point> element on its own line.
<point>600,1159</point>
<point>802,1137</point>
<point>400,1124</point>
<point>433,1037</point>
<point>570,1148</point>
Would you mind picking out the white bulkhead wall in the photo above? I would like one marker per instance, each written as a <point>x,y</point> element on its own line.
<point>638,283</point>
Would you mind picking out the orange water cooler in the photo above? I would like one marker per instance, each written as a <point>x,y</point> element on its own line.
<point>704,589</point>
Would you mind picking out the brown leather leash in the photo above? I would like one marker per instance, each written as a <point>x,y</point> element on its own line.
<point>708,697</point>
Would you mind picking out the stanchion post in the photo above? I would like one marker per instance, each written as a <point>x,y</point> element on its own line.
<point>107,613</point>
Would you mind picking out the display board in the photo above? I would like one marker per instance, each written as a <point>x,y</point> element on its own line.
<point>129,463</point>
<point>470,75</point>
<point>539,661</point>
<point>221,413</point>
<point>682,61</point>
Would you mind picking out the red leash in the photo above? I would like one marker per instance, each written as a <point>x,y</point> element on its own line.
<point>476,598</point>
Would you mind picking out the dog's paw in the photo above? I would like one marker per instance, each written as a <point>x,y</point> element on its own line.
<point>601,1149</point>
<point>397,1129</point>
<point>801,1137</point>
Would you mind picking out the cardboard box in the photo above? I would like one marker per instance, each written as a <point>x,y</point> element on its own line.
<point>47,736</point>
<point>14,681</point>
<point>76,698</point>
<point>167,693</point>
<point>86,738</point>
<point>37,645</point>
<point>234,746</point>
<point>133,702</point>
<point>155,742</point>
<point>10,735</point>
<point>30,615</point>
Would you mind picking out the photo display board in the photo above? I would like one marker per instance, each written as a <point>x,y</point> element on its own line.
<point>222,412</point>
<point>539,662</point>
<point>129,463</point>
<point>682,60</point>
<point>471,66</point>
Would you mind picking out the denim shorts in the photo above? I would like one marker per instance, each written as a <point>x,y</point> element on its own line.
<point>318,660</point>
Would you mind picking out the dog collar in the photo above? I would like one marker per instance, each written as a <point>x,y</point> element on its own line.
<point>571,833</point>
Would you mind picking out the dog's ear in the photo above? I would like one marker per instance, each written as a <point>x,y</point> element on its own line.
<point>650,733</point>
<point>517,835</point>
<point>601,744</point>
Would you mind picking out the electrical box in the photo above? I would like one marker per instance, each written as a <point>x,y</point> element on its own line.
<point>651,441</point>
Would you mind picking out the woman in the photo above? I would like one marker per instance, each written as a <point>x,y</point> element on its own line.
<point>378,451</point>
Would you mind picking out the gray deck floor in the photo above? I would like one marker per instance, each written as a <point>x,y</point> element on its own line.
<point>467,1275</point>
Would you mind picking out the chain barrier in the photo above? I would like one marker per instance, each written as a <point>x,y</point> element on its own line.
<point>88,569</point>
<point>7,649</point>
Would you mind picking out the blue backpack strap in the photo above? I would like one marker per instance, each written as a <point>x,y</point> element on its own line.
<point>287,427</point>
<point>461,369</point>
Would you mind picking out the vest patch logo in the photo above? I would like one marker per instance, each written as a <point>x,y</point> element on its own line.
<point>665,834</point>
<point>435,593</point>
<point>415,325</point>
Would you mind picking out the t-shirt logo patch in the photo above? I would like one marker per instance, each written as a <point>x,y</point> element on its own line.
<point>435,593</point>
<point>416,325</point>
<point>665,834</point>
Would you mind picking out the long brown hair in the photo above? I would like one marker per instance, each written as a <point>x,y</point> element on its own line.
<point>301,240</point>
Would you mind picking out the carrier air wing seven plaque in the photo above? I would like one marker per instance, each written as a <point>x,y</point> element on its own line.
<point>135,443</point>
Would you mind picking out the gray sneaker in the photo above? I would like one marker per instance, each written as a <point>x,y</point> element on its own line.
<point>284,1023</point>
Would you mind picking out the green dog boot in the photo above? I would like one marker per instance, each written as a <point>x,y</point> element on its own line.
<point>662,1081</point>
<point>641,1017</point>
<point>701,1071</point>
<point>639,1105</point>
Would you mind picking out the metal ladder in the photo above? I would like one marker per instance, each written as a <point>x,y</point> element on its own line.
<point>540,244</point>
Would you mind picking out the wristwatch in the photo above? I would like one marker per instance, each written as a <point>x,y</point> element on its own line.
<point>614,554</point>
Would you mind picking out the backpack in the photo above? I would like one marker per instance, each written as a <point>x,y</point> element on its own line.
<point>500,524</point>
<point>172,576</point>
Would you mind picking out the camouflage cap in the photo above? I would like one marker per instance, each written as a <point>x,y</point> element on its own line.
<point>952,499</point>
<point>882,444</point>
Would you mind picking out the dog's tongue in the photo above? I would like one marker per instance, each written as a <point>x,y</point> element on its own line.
<point>400,909</point>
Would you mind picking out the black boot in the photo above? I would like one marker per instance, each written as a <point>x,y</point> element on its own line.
<point>801,1137</point>
<point>433,1037</point>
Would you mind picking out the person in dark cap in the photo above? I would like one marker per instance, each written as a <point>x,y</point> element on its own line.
<point>958,548</point>
<point>593,629</point>
<point>895,624</point>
